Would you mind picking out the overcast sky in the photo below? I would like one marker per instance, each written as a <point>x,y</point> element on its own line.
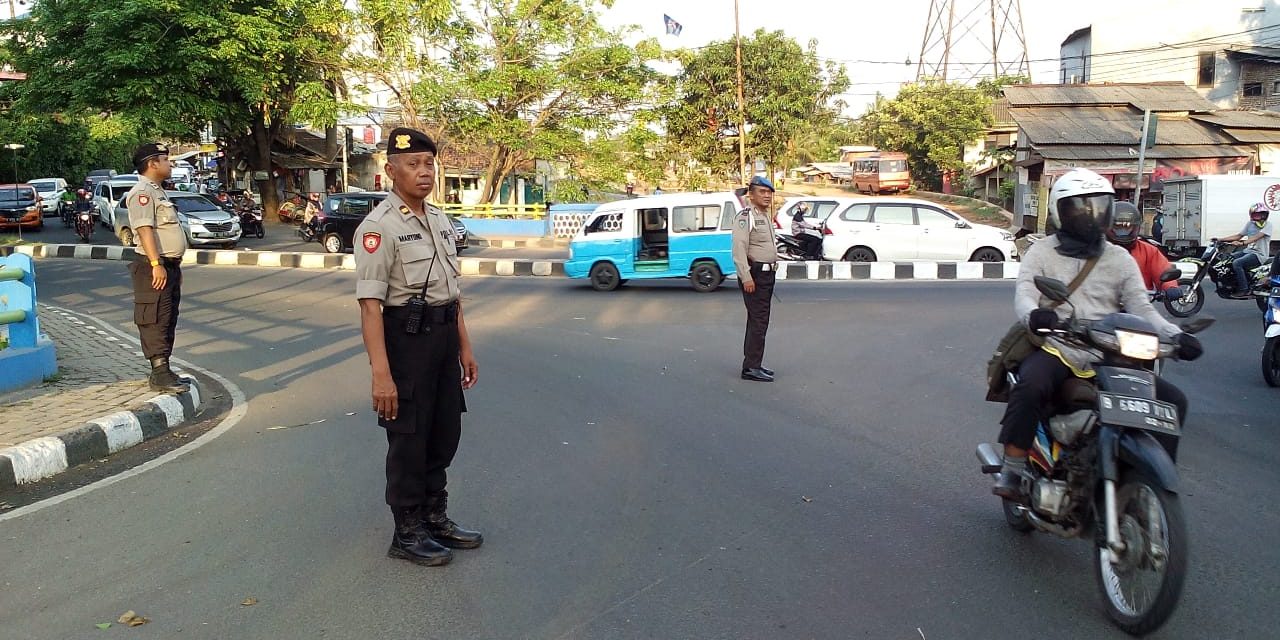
<point>888,31</point>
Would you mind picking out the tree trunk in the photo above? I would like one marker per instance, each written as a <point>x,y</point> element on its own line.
<point>259,156</point>
<point>331,143</point>
<point>495,173</point>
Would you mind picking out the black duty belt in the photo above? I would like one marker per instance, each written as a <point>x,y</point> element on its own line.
<point>142,257</point>
<point>444,314</point>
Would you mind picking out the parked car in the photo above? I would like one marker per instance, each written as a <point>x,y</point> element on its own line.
<point>341,213</point>
<point>203,222</point>
<point>105,196</point>
<point>20,207</point>
<point>891,229</point>
<point>819,208</point>
<point>50,191</point>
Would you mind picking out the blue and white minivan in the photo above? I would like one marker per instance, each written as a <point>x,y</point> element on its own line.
<point>676,235</point>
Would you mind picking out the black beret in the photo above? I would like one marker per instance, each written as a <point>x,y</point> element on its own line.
<point>406,140</point>
<point>149,150</point>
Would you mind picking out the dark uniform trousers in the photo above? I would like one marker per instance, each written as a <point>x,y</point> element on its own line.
<point>423,439</point>
<point>759,305</point>
<point>156,312</point>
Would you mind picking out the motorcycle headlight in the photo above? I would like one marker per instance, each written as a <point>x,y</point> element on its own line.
<point>1140,346</point>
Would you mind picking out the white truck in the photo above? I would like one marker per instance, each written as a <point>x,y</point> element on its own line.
<point>1200,208</point>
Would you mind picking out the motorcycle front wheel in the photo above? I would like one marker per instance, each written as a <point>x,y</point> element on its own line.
<point>1271,361</point>
<point>1191,302</point>
<point>1142,589</point>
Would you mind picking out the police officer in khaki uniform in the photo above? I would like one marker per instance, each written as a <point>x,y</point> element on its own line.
<point>755,255</point>
<point>411,317</point>
<point>157,268</point>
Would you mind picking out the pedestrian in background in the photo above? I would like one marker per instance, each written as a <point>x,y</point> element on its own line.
<point>157,268</point>
<point>411,319</point>
<point>755,256</point>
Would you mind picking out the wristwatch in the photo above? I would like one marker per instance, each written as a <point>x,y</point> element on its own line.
<point>155,263</point>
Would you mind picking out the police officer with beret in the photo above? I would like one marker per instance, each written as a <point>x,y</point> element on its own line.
<point>755,255</point>
<point>157,268</point>
<point>411,318</point>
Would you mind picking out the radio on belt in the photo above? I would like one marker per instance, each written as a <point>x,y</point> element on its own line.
<point>413,324</point>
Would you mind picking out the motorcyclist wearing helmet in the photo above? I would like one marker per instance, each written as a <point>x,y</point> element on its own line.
<point>810,243</point>
<point>1124,232</point>
<point>1081,204</point>
<point>1255,242</point>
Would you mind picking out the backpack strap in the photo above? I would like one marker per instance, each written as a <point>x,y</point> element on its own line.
<point>1079,279</point>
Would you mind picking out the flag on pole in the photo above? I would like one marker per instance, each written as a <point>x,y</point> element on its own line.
<point>673,28</point>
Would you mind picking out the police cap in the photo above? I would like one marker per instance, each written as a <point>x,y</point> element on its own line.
<point>760,181</point>
<point>406,140</point>
<point>148,151</point>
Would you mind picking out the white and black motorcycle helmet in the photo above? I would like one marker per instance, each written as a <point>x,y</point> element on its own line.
<point>1082,204</point>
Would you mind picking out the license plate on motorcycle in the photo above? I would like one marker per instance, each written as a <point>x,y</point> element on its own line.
<point>1139,413</point>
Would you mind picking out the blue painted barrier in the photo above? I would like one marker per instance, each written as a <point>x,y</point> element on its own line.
<point>492,227</point>
<point>29,357</point>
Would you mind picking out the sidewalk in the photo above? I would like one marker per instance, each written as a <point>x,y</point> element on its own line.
<point>98,404</point>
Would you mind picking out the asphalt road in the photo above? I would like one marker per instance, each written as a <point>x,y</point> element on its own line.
<point>628,484</point>
<point>279,237</point>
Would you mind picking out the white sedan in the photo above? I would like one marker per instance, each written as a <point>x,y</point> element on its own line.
<point>900,229</point>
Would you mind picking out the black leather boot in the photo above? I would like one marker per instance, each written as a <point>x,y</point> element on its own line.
<point>412,542</point>
<point>163,378</point>
<point>444,530</point>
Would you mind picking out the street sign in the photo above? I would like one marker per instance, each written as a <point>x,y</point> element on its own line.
<point>1150,130</point>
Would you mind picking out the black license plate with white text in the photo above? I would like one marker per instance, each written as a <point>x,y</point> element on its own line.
<point>1139,413</point>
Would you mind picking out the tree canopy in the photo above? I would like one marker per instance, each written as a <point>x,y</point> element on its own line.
<point>788,92</point>
<point>930,122</point>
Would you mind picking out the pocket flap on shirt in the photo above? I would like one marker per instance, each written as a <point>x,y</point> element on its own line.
<point>417,251</point>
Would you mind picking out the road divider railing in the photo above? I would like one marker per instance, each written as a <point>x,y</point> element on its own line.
<point>27,356</point>
<point>811,270</point>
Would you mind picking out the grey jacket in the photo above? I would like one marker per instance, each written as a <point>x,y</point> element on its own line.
<point>1115,284</point>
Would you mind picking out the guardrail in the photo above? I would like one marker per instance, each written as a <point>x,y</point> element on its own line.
<point>26,356</point>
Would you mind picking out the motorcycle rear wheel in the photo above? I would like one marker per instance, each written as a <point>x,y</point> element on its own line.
<point>1191,302</point>
<point>1149,516</point>
<point>1017,518</point>
<point>1271,361</point>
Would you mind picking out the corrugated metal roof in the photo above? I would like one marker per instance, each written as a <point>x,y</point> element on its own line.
<point>1155,96</point>
<point>1107,125</point>
<point>1128,153</point>
<point>1255,136</point>
<point>1241,119</point>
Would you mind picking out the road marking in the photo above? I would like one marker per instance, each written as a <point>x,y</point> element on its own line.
<point>239,407</point>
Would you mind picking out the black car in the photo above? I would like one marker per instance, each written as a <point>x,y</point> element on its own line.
<point>335,227</point>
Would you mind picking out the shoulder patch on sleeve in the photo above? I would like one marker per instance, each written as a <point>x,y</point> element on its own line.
<point>371,240</point>
<point>144,199</point>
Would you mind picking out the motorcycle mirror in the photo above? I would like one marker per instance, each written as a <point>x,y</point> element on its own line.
<point>1197,325</point>
<point>1172,273</point>
<point>1052,288</point>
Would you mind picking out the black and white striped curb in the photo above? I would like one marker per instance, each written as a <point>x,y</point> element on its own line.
<point>285,259</point>
<point>814,270</point>
<point>47,456</point>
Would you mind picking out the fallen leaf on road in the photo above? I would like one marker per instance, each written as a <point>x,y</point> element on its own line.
<point>806,498</point>
<point>132,619</point>
<point>103,625</point>
<point>249,602</point>
<point>351,413</point>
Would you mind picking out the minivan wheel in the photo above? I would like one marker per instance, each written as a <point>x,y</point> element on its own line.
<point>604,277</point>
<point>705,277</point>
<point>987,254</point>
<point>333,243</point>
<point>860,254</point>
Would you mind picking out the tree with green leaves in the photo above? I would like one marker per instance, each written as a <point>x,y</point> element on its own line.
<point>789,93</point>
<point>250,67</point>
<point>536,79</point>
<point>930,122</point>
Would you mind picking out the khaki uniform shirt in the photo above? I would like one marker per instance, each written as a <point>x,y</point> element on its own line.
<point>150,207</point>
<point>754,240</point>
<point>398,252</point>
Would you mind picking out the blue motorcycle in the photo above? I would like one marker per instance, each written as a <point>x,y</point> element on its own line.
<point>1271,323</point>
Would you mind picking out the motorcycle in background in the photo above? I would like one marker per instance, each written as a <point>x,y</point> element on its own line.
<point>84,225</point>
<point>1271,326</point>
<point>250,217</point>
<point>1215,263</point>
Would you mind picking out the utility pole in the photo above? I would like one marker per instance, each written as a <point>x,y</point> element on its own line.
<point>954,32</point>
<point>742,110</point>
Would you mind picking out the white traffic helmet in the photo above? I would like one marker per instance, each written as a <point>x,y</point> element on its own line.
<point>1082,203</point>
